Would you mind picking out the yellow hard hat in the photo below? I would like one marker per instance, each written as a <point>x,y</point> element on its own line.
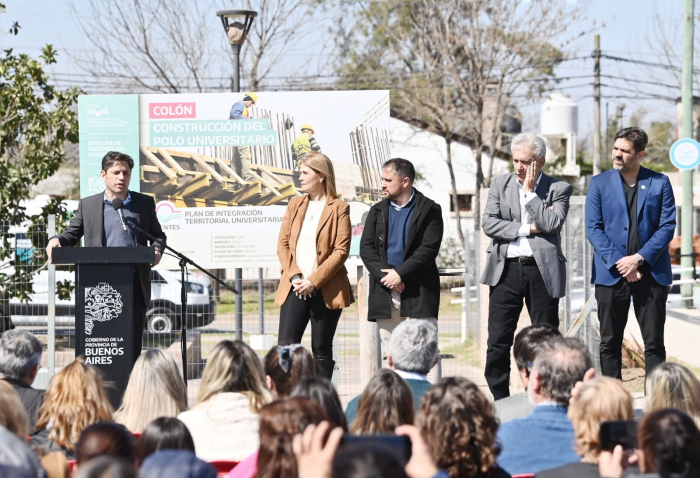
<point>307,126</point>
<point>253,96</point>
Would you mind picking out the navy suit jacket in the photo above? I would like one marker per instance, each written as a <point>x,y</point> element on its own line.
<point>607,224</point>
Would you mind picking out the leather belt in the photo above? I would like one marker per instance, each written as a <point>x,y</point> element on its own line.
<point>523,260</point>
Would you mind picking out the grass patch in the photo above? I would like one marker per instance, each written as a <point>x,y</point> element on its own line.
<point>467,353</point>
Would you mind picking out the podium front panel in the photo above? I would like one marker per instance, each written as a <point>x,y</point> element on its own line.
<point>104,322</point>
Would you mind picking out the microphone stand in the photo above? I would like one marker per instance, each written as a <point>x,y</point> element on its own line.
<point>184,260</point>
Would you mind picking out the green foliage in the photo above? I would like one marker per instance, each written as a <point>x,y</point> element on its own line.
<point>36,120</point>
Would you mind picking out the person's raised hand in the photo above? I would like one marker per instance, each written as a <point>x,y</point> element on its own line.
<point>421,464</point>
<point>590,374</point>
<point>314,459</point>
<point>610,463</point>
<point>533,171</point>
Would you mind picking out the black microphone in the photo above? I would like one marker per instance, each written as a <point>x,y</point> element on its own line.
<point>118,206</point>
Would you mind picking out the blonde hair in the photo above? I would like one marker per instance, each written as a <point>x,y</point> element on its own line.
<point>234,367</point>
<point>322,165</point>
<point>12,413</point>
<point>155,389</point>
<point>74,400</point>
<point>601,399</point>
<point>671,385</point>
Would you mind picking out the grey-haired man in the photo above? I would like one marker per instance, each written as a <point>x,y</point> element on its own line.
<point>20,359</point>
<point>524,214</point>
<point>413,351</point>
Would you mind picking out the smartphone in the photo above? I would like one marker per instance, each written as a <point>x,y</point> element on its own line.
<point>399,446</point>
<point>618,433</point>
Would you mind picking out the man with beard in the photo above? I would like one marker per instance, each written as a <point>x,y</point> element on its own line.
<point>630,220</point>
<point>399,245</point>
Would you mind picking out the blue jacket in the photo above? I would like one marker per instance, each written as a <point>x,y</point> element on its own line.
<point>237,111</point>
<point>540,441</point>
<point>607,224</point>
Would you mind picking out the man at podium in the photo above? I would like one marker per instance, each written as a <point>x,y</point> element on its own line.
<point>103,225</point>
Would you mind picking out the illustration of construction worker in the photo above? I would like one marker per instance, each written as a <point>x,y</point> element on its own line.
<point>305,143</point>
<point>243,156</point>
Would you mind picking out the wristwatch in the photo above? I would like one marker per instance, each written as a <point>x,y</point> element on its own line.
<point>640,260</point>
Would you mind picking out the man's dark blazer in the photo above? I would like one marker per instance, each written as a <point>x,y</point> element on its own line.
<point>421,297</point>
<point>607,223</point>
<point>88,222</point>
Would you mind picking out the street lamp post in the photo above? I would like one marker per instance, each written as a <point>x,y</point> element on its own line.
<point>237,24</point>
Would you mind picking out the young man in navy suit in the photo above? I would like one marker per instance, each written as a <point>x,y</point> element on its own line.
<point>630,220</point>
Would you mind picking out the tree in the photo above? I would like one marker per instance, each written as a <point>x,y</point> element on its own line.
<point>454,63</point>
<point>179,46</point>
<point>36,120</point>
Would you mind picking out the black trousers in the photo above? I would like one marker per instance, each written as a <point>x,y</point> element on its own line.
<point>294,317</point>
<point>518,282</point>
<point>649,301</point>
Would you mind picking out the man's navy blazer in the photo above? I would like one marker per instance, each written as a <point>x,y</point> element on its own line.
<point>607,224</point>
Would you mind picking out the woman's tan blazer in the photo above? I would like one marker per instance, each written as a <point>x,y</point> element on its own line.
<point>332,249</point>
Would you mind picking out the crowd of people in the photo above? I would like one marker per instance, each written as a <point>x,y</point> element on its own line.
<point>276,417</point>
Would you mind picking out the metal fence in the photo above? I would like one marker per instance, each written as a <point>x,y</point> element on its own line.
<point>462,318</point>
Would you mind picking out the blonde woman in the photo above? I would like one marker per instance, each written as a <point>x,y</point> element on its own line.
<point>74,400</point>
<point>224,421</point>
<point>602,399</point>
<point>671,385</point>
<point>314,243</point>
<point>155,390</point>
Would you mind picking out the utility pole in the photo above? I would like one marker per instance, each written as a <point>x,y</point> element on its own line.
<point>687,132</point>
<point>597,169</point>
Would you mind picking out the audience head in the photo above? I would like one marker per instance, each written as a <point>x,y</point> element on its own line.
<point>322,391</point>
<point>528,343</point>
<point>556,371</point>
<point>16,458</point>
<point>285,366</point>
<point>385,404</point>
<point>280,421</point>
<point>20,355</point>
<point>234,367</point>
<point>413,346</point>
<point>361,461</point>
<point>601,399</point>
<point>13,416</point>
<point>176,464</point>
<point>671,385</point>
<point>155,389</point>
<point>74,400</point>
<point>669,442</point>
<point>164,433</point>
<point>107,466</point>
<point>459,426</point>
<point>105,438</point>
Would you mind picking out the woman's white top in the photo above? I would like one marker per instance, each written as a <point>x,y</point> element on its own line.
<point>306,243</point>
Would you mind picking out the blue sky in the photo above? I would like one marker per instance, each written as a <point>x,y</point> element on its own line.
<point>624,26</point>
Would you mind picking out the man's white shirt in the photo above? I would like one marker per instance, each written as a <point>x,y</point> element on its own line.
<point>520,247</point>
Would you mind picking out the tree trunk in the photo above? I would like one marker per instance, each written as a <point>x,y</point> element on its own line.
<point>453,182</point>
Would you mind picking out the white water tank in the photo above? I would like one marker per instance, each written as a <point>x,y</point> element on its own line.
<point>559,115</point>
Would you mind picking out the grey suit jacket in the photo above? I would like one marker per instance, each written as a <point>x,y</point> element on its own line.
<point>88,221</point>
<point>502,220</point>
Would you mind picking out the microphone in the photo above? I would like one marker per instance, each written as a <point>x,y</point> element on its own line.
<point>118,206</point>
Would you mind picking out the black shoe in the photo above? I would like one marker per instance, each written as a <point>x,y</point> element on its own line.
<point>324,368</point>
